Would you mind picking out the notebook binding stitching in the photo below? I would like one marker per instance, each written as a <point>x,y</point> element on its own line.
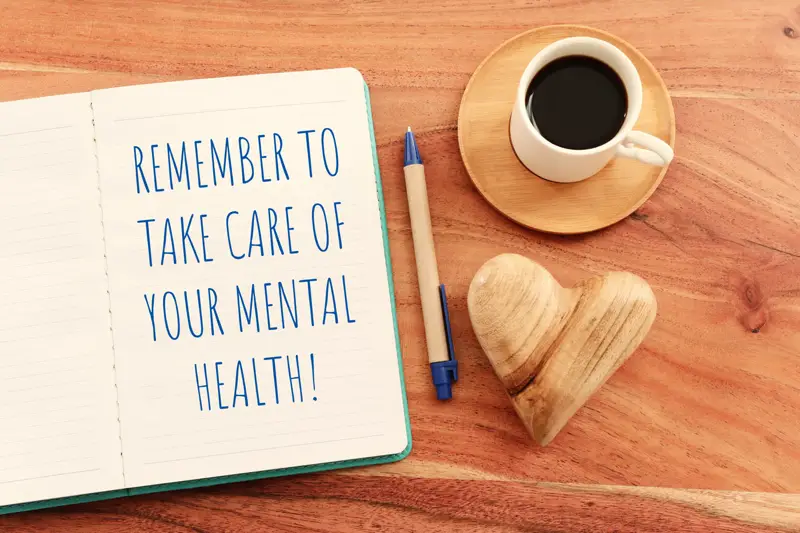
<point>108,282</point>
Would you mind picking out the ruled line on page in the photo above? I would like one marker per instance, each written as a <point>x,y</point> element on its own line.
<point>57,140</point>
<point>45,286</point>
<point>49,411</point>
<point>262,437</point>
<point>60,224</point>
<point>28,215</point>
<point>53,385</point>
<point>66,200</point>
<point>41,251</point>
<point>47,463</point>
<point>41,438</point>
<point>34,337</point>
<point>40,274</point>
<point>36,131</point>
<point>37,167</point>
<point>7,481</point>
<point>50,323</point>
<point>129,119</point>
<point>51,423</point>
<point>40,238</point>
<point>50,360</point>
<point>61,448</point>
<point>248,426</point>
<point>46,399</point>
<point>17,155</point>
<point>60,371</point>
<point>265,449</point>
<point>43,299</point>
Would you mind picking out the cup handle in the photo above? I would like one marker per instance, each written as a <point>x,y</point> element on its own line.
<point>654,151</point>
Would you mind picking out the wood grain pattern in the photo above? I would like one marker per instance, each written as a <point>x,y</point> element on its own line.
<point>612,194</point>
<point>709,401</point>
<point>345,503</point>
<point>553,347</point>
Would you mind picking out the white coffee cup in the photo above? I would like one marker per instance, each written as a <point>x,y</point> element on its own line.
<point>565,165</point>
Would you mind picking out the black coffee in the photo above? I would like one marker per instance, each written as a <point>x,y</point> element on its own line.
<point>577,102</point>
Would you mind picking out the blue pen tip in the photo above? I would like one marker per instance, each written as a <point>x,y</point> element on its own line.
<point>444,392</point>
<point>412,152</point>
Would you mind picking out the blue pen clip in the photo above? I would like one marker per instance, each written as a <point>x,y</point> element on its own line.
<point>444,373</point>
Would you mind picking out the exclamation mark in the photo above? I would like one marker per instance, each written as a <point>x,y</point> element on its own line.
<point>313,377</point>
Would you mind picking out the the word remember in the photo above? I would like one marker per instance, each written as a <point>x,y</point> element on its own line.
<point>233,161</point>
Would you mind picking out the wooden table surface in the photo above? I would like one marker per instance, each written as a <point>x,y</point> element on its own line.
<point>710,400</point>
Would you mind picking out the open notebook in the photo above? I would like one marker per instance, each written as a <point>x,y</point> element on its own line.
<point>196,288</point>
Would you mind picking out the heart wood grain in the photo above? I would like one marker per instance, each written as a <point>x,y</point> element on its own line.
<point>717,242</point>
<point>553,347</point>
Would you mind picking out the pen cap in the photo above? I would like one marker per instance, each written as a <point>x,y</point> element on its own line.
<point>444,373</point>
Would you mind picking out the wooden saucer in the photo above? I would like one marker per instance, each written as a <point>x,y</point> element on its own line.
<point>599,201</point>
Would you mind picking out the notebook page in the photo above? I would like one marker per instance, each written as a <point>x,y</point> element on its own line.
<point>249,293</point>
<point>59,434</point>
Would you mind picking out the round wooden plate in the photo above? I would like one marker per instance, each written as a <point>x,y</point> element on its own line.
<point>567,208</point>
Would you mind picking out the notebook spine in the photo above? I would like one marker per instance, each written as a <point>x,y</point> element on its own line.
<point>108,282</point>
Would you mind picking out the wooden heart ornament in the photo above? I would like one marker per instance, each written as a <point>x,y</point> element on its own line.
<point>553,347</point>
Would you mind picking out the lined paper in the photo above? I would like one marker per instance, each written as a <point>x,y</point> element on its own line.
<point>209,385</point>
<point>58,412</point>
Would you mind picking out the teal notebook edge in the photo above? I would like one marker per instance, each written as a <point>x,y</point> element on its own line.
<point>284,472</point>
